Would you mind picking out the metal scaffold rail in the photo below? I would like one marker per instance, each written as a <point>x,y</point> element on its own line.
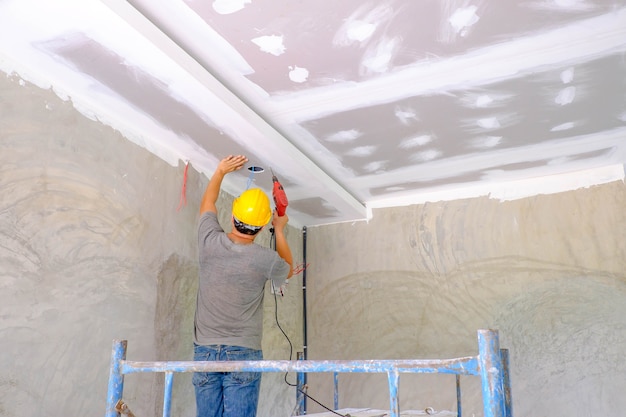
<point>491,365</point>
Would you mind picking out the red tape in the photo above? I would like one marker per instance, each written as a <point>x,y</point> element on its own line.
<point>183,192</point>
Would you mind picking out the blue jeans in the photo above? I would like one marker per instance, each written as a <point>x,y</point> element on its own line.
<point>226,394</point>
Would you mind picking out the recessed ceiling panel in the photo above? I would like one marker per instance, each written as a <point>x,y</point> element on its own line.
<point>299,45</point>
<point>352,104</point>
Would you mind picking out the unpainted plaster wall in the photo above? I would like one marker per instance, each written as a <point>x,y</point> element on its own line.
<point>95,246</point>
<point>92,248</point>
<point>417,282</point>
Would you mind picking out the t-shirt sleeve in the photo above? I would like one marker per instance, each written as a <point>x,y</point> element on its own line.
<point>208,225</point>
<point>279,271</point>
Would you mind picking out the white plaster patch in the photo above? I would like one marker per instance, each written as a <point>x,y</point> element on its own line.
<point>272,44</point>
<point>567,76</point>
<point>361,25</point>
<point>378,58</point>
<point>360,31</point>
<point>563,126</point>
<point>416,141</point>
<point>344,136</point>
<point>405,115</point>
<point>488,123</point>
<point>486,142</point>
<point>463,19</point>
<point>565,96</point>
<point>483,100</point>
<point>229,6</point>
<point>362,151</point>
<point>375,166</point>
<point>459,18</point>
<point>298,75</point>
<point>427,155</point>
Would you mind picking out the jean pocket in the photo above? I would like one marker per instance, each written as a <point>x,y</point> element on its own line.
<point>245,377</point>
<point>245,354</point>
<point>199,379</point>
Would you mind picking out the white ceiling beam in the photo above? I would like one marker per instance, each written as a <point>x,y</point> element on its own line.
<point>188,53</point>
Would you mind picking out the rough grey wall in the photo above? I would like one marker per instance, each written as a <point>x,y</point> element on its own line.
<point>417,282</point>
<point>93,248</point>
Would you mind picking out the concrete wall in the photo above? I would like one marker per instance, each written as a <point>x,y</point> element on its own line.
<point>417,282</point>
<point>93,248</point>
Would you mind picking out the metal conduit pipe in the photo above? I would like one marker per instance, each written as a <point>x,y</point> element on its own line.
<point>304,329</point>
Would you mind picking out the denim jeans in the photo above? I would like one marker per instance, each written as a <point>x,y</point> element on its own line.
<point>226,394</point>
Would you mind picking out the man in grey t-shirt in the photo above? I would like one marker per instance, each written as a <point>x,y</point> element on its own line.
<point>229,310</point>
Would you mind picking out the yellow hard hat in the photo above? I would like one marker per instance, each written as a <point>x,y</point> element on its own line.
<point>252,207</point>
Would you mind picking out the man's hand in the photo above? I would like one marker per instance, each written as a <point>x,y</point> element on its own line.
<point>279,222</point>
<point>229,164</point>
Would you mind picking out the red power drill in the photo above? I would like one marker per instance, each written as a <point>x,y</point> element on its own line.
<point>280,198</point>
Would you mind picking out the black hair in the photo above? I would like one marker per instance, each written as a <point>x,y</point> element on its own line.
<point>246,229</point>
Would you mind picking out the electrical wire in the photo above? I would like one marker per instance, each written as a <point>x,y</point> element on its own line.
<point>284,334</point>
<point>273,246</point>
<point>253,170</point>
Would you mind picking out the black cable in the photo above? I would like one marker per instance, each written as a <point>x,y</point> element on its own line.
<point>284,334</point>
<point>273,246</point>
<point>290,357</point>
<point>322,405</point>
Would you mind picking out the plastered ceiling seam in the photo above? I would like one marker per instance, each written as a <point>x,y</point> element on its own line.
<point>432,170</point>
<point>169,43</point>
<point>512,190</point>
<point>571,44</point>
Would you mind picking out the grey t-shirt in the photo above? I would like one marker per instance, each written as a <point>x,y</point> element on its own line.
<point>229,309</point>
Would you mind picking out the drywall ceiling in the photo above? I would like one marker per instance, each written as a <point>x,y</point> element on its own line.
<point>354,104</point>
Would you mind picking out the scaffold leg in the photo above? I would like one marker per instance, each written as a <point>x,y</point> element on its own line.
<point>491,373</point>
<point>116,378</point>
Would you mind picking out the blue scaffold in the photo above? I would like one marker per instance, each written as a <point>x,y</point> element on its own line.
<point>491,365</point>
